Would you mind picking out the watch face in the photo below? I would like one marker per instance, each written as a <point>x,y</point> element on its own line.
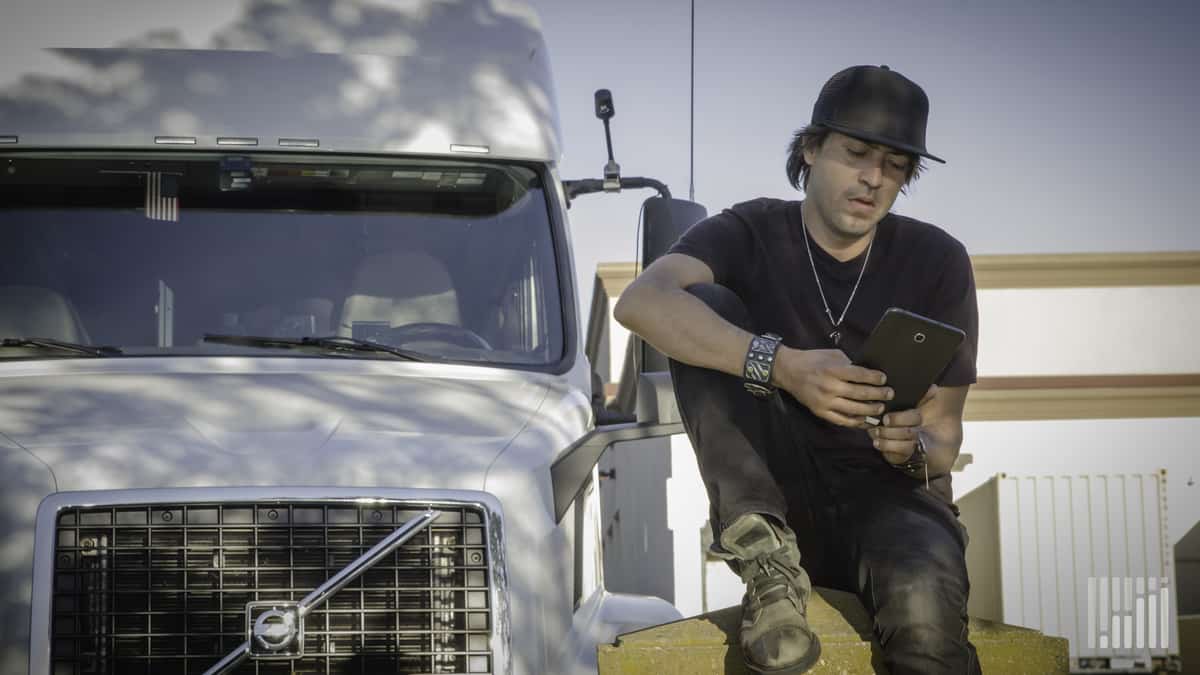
<point>764,343</point>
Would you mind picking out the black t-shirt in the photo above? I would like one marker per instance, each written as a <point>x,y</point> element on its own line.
<point>757,250</point>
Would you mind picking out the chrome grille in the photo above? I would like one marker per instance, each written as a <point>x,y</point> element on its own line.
<point>163,588</point>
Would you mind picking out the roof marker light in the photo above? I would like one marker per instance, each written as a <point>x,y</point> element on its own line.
<point>8,139</point>
<point>175,140</point>
<point>476,149</point>
<point>225,140</point>
<point>299,143</point>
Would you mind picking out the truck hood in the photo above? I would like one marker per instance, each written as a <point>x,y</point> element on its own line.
<point>231,422</point>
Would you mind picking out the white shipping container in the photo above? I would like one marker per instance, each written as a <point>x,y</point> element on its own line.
<point>1084,557</point>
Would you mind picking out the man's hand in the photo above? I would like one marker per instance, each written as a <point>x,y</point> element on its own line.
<point>896,438</point>
<point>829,385</point>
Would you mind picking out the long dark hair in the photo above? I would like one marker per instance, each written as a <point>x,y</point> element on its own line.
<point>816,135</point>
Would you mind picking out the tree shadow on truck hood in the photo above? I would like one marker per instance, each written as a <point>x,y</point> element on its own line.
<point>354,423</point>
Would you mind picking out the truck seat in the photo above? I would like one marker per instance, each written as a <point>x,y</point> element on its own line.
<point>32,311</point>
<point>400,287</point>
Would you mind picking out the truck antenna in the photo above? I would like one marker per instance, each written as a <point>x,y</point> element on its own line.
<point>692,117</point>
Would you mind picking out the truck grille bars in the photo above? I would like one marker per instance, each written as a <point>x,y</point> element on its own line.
<point>165,588</point>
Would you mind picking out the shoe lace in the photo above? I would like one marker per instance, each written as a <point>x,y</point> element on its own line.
<point>773,577</point>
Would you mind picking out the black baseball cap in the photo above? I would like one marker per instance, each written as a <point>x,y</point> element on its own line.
<point>878,105</point>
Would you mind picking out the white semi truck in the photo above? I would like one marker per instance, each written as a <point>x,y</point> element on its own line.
<point>291,370</point>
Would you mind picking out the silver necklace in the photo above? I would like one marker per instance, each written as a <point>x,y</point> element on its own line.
<point>836,335</point>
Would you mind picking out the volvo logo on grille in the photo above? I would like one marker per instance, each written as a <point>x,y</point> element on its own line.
<point>275,630</point>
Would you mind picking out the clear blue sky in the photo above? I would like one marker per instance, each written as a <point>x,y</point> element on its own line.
<point>1068,126</point>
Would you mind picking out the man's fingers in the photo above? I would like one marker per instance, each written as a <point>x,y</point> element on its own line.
<point>928,395</point>
<point>859,374</point>
<point>904,418</point>
<point>894,433</point>
<point>854,408</point>
<point>860,392</point>
<point>852,421</point>
<point>895,452</point>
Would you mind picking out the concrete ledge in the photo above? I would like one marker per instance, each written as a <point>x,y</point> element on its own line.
<point>708,644</point>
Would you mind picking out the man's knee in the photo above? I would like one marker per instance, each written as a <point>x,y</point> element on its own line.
<point>917,586</point>
<point>923,606</point>
<point>724,302</point>
<point>922,627</point>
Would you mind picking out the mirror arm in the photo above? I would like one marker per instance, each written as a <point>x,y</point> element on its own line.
<point>587,186</point>
<point>638,182</point>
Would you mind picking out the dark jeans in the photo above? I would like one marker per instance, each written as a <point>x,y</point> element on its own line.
<point>878,534</point>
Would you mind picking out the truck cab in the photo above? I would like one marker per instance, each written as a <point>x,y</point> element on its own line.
<point>291,368</point>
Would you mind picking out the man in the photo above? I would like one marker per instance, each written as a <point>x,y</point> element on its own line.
<point>763,309</point>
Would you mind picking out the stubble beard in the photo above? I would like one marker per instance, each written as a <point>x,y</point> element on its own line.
<point>847,228</point>
<point>852,228</point>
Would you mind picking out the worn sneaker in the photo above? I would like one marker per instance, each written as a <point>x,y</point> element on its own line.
<point>775,636</point>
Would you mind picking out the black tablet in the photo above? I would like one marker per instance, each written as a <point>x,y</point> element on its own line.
<point>912,350</point>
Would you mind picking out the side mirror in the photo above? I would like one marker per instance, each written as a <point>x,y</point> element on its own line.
<point>663,222</point>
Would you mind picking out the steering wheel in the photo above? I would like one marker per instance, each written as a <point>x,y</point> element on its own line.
<point>444,332</point>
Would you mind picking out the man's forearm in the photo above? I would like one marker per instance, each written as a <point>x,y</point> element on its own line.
<point>942,427</point>
<point>942,445</point>
<point>683,327</point>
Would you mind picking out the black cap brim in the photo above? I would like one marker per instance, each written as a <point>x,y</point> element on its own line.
<point>873,138</point>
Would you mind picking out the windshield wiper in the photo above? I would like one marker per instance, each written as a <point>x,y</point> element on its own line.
<point>60,346</point>
<point>332,343</point>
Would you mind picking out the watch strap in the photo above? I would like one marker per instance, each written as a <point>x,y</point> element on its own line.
<point>917,464</point>
<point>760,363</point>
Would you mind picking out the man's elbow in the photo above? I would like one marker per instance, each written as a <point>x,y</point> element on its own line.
<point>625,311</point>
<point>953,437</point>
<point>948,440</point>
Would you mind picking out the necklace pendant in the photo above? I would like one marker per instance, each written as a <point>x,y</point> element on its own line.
<point>836,337</point>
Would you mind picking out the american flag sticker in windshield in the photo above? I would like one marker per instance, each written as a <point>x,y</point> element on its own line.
<point>162,196</point>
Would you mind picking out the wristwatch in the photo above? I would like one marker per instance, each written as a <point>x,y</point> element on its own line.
<point>760,363</point>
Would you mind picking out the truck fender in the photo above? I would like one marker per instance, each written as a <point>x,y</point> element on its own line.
<point>600,619</point>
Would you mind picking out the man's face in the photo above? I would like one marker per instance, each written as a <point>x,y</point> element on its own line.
<point>854,183</point>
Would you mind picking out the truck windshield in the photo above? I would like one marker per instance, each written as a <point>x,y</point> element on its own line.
<point>151,255</point>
